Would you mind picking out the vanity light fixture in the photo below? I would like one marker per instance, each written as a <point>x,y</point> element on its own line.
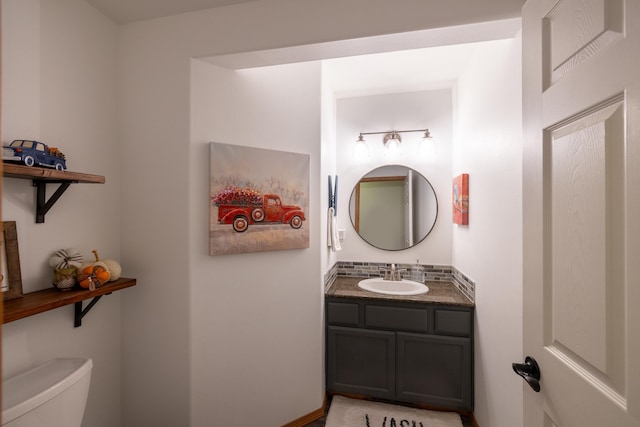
<point>424,146</point>
<point>391,140</point>
<point>360,149</point>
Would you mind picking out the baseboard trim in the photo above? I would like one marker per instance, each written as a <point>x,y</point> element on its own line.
<point>310,417</point>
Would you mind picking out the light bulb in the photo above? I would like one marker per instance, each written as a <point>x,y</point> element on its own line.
<point>391,143</point>
<point>426,148</point>
<point>360,149</point>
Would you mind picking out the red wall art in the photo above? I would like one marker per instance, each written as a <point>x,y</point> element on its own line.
<point>460,197</point>
<point>259,200</point>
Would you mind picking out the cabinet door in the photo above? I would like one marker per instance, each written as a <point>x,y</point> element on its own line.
<point>361,361</point>
<point>435,370</point>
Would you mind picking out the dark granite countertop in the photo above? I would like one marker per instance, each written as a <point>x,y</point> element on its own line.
<point>439,293</point>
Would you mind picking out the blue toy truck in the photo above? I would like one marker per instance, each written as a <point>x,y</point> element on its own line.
<point>34,153</point>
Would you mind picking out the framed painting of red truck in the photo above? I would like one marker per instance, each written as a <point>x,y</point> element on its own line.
<point>259,200</point>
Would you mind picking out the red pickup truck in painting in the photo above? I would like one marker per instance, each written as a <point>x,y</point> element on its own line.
<point>243,207</point>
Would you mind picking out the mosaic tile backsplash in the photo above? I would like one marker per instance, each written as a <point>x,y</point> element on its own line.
<point>436,273</point>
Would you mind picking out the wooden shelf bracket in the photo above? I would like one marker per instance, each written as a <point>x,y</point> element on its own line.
<point>81,312</point>
<point>40,177</point>
<point>43,205</point>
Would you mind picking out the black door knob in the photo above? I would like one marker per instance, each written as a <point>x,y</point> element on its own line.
<point>530,371</point>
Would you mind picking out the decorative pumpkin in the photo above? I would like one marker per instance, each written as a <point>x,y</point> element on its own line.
<point>94,275</point>
<point>112,265</point>
<point>114,269</point>
<point>65,258</point>
<point>65,278</point>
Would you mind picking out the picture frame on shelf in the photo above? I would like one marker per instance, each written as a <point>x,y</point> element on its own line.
<point>11,278</point>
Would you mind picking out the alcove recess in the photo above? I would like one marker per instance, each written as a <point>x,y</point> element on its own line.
<point>49,299</point>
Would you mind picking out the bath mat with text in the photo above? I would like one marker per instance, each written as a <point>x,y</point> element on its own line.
<point>346,412</point>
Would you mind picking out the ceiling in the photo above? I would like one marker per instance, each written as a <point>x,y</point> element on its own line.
<point>401,71</point>
<point>418,60</point>
<point>408,61</point>
<point>125,11</point>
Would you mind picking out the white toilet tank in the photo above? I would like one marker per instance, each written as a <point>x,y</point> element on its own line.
<point>53,394</point>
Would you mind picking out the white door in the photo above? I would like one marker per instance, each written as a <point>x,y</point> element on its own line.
<point>581,191</point>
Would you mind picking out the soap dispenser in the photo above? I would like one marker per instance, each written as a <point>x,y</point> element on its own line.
<point>417,272</point>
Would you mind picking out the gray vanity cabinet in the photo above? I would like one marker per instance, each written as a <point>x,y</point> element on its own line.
<point>434,370</point>
<point>407,352</point>
<point>362,361</point>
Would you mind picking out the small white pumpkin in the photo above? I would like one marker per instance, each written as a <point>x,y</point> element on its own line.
<point>114,269</point>
<point>65,258</point>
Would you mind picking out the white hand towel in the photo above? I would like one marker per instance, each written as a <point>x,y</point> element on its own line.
<point>329,222</point>
<point>333,241</point>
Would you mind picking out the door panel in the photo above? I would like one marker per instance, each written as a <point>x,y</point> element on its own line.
<point>584,323</point>
<point>577,30</point>
<point>588,75</point>
<point>586,225</point>
<point>581,78</point>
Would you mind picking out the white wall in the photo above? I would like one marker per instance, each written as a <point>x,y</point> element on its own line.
<point>249,312</point>
<point>163,224</point>
<point>328,162</point>
<point>487,146</point>
<point>176,349</point>
<point>222,331</point>
<point>59,86</point>
<point>431,109</point>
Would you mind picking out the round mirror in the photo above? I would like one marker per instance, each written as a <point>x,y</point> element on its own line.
<point>393,207</point>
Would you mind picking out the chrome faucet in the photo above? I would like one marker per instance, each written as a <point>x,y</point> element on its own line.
<point>393,274</point>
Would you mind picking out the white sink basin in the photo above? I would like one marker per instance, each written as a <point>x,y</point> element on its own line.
<point>393,287</point>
